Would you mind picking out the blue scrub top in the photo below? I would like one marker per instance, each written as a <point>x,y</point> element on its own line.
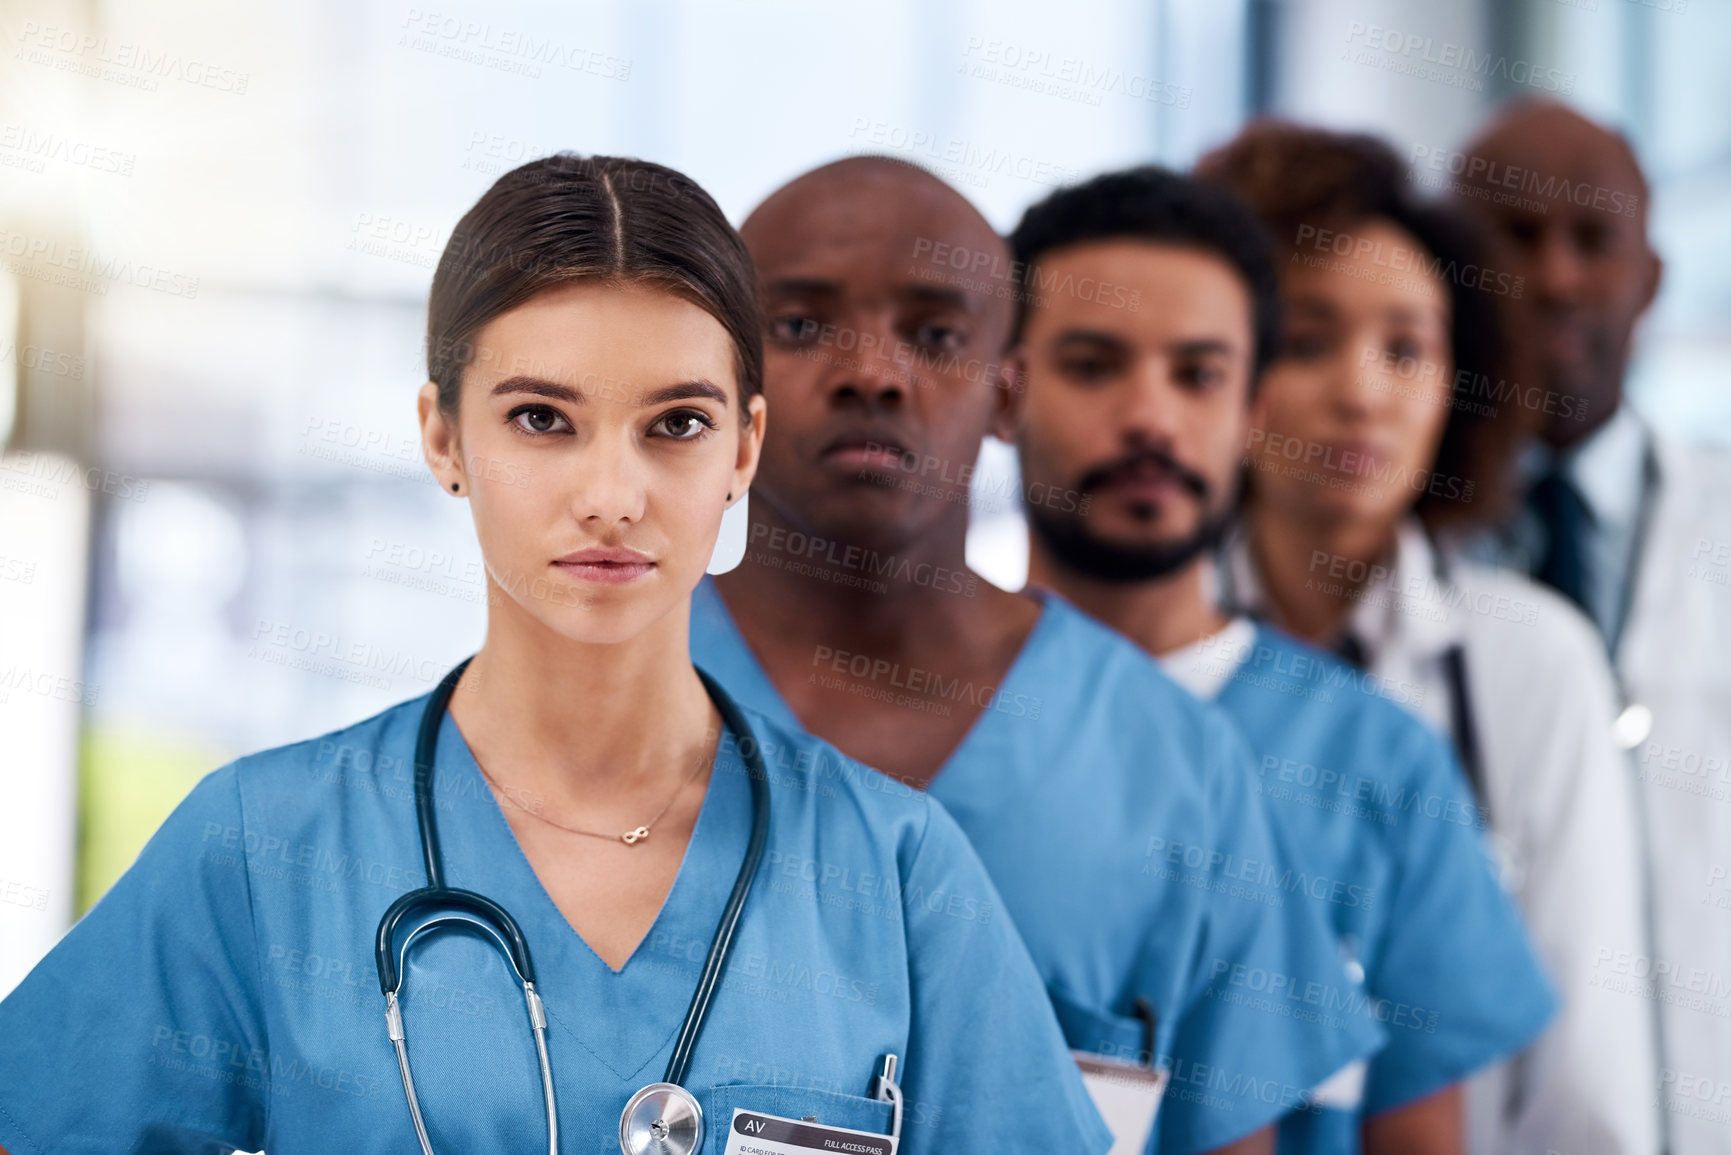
<point>223,993</point>
<point>1116,815</point>
<point>1384,824</point>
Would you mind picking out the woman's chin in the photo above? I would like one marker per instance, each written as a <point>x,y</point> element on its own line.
<point>1334,507</point>
<point>597,627</point>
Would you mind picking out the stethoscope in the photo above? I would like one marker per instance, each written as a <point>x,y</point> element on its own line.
<point>662,1117</point>
<point>1634,720</point>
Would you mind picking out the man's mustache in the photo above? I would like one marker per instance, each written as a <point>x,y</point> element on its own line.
<point>1163,463</point>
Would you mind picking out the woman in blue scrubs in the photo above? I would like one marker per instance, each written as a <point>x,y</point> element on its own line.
<point>595,368</point>
<point>1382,433</point>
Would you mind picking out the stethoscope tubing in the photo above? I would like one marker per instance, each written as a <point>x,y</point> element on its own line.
<point>497,923</point>
<point>722,943</point>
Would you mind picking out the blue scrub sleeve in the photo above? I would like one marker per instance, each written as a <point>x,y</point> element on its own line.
<point>141,1030</point>
<point>1460,985</point>
<point>988,1069</point>
<point>1271,1010</point>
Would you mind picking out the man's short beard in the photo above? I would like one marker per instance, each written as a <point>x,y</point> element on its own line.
<point>1067,539</point>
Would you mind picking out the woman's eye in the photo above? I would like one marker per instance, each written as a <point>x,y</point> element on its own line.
<point>684,425</point>
<point>1407,352</point>
<point>538,419</point>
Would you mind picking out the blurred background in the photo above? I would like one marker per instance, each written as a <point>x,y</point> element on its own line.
<point>218,223</point>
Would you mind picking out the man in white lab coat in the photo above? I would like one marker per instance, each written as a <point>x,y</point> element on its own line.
<point>1636,528</point>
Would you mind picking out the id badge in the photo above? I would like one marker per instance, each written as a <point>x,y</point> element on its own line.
<point>1127,1096</point>
<point>1343,1090</point>
<point>754,1133</point>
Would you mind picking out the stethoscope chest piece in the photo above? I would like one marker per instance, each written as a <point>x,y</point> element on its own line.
<point>1633,725</point>
<point>661,1119</point>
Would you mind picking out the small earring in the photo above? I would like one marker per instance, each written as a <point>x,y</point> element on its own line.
<point>453,487</point>
<point>730,497</point>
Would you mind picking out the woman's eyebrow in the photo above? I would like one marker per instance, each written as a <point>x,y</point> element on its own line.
<point>1418,315</point>
<point>684,391</point>
<point>1314,304</point>
<point>541,387</point>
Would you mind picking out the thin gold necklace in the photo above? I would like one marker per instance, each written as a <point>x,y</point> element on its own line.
<point>630,837</point>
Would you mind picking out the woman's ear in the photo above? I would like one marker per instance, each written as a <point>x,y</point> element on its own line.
<point>1012,399</point>
<point>439,442</point>
<point>1258,406</point>
<point>750,447</point>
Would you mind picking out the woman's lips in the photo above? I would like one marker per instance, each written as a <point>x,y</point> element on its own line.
<point>1355,457</point>
<point>607,573</point>
<point>606,566</point>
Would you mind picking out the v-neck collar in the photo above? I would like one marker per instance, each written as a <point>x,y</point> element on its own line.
<point>1410,608</point>
<point>764,694</point>
<point>622,1017</point>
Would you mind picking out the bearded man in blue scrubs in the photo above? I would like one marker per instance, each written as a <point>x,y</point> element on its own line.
<point>1114,811</point>
<point>1145,412</point>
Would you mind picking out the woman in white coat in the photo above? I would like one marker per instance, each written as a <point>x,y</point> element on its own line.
<point>1379,430</point>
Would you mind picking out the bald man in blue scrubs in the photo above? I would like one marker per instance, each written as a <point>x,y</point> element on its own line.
<point>1114,811</point>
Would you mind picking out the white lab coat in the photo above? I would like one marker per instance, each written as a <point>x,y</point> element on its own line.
<point>1675,659</point>
<point>1561,821</point>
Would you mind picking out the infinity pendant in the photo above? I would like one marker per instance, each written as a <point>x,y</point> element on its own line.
<point>632,837</point>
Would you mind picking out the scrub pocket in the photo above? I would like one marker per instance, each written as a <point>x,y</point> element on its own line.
<point>1096,1031</point>
<point>1125,1091</point>
<point>829,1107</point>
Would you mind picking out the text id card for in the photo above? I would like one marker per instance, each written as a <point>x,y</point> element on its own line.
<point>1127,1096</point>
<point>754,1133</point>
